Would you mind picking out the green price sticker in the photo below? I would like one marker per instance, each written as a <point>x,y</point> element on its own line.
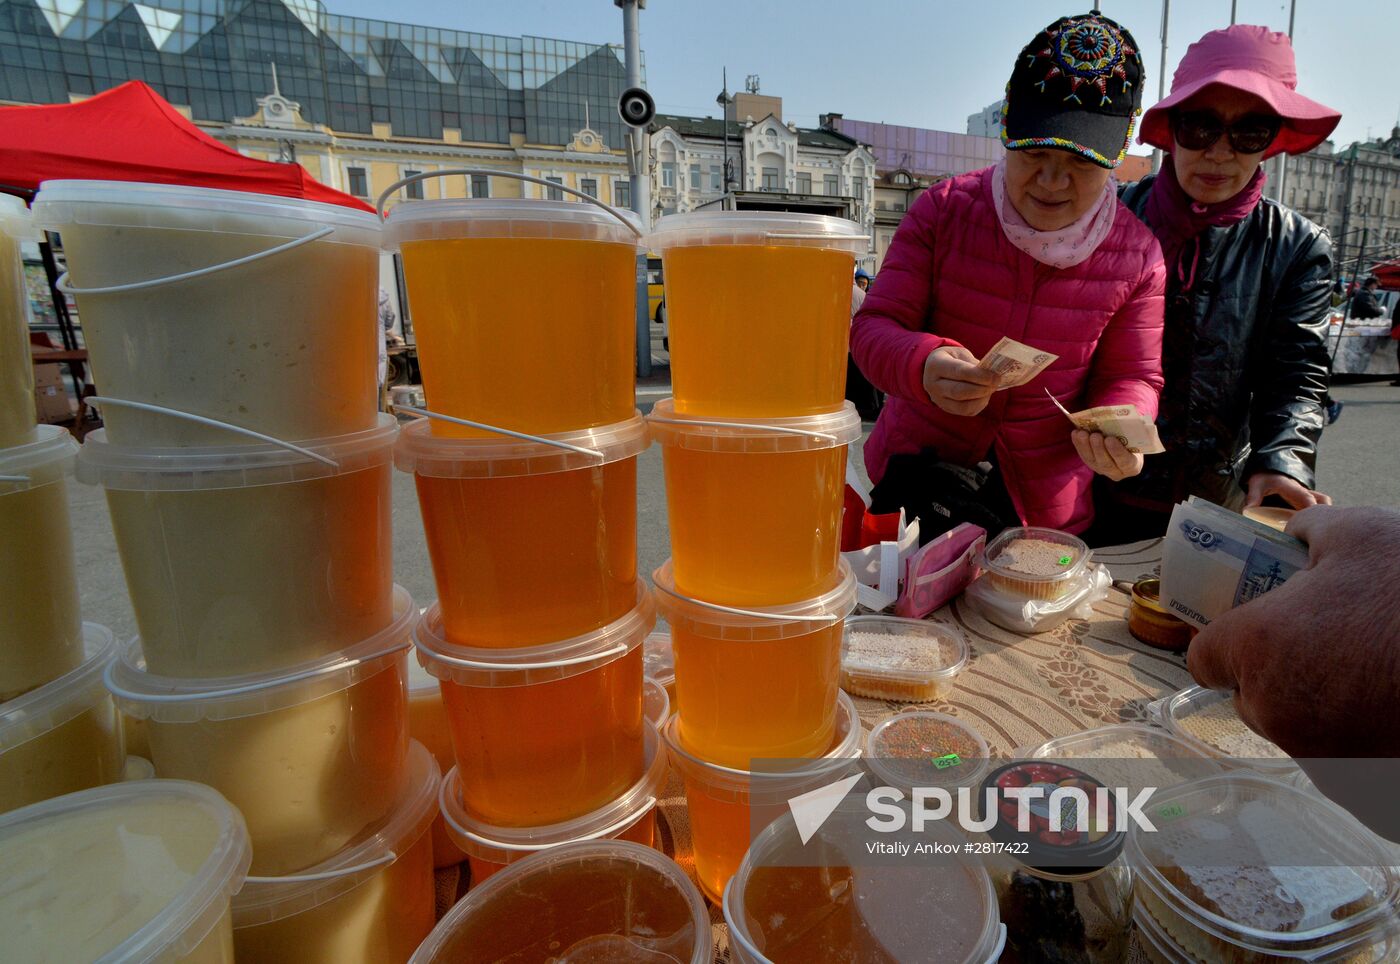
<point>944,762</point>
<point>1172,812</point>
<point>1066,560</point>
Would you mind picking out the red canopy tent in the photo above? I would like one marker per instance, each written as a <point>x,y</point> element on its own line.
<point>1388,274</point>
<point>131,133</point>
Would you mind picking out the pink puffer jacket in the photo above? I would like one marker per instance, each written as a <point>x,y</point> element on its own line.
<point>951,277</point>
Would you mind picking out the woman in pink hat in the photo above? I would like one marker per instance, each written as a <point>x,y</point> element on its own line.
<point>1245,352</point>
<point>1037,249</point>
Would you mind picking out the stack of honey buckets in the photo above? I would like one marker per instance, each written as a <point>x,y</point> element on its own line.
<point>525,469</point>
<point>754,450</point>
<point>59,730</point>
<point>247,473</point>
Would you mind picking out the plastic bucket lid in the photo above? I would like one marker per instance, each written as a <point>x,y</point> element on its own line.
<point>15,220</point>
<point>521,887</point>
<point>1247,834</point>
<point>170,699</point>
<point>58,701</point>
<point>264,900</point>
<point>504,845</point>
<point>656,705</point>
<point>179,926</point>
<point>454,218</point>
<point>134,468</point>
<point>754,623</point>
<point>61,205</point>
<point>885,737</point>
<point>780,840</point>
<point>47,459</point>
<point>422,453</point>
<point>845,749</point>
<point>528,665</point>
<point>767,228</point>
<point>753,436</point>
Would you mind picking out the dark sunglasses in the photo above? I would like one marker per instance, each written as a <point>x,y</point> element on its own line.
<point>1197,130</point>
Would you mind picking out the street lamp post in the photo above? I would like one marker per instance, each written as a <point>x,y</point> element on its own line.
<point>640,175</point>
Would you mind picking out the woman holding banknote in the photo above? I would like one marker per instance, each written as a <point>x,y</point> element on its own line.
<point>1248,281</point>
<point>1037,250</point>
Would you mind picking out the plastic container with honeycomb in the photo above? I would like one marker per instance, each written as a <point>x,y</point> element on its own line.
<point>907,660</point>
<point>1035,562</point>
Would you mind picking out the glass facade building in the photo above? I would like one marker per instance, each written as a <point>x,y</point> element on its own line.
<point>348,73</point>
<point>922,152</point>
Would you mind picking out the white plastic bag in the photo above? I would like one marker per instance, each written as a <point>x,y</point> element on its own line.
<point>1014,612</point>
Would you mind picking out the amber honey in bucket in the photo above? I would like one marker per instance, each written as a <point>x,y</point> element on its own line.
<point>755,508</point>
<point>505,517</point>
<point>549,742</point>
<point>730,711</point>
<point>523,311</point>
<point>759,309</point>
<point>17,414</point>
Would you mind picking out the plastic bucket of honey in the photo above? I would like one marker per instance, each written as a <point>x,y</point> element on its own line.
<point>312,757</point>
<point>758,306</point>
<point>241,307</point>
<point>754,506</point>
<point>543,734</point>
<point>524,310</point>
<point>251,558</point>
<point>726,803</point>
<point>632,816</point>
<point>17,414</point>
<point>727,660</point>
<point>597,900</point>
<point>371,901</point>
<point>506,517</point>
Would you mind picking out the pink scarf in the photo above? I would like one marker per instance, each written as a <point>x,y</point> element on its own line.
<point>1065,247</point>
<point>1178,220</point>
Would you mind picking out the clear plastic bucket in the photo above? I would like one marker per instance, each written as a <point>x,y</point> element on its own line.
<point>758,306</point>
<point>135,873</point>
<point>41,633</point>
<point>659,662</point>
<point>312,756</point>
<point>727,661</point>
<point>632,816</point>
<point>287,344</point>
<point>371,902</point>
<point>754,508</point>
<point>597,900</point>
<point>251,558</point>
<point>17,416</point>
<point>545,733</point>
<point>825,908</point>
<point>64,736</point>
<point>510,520</point>
<point>524,311</point>
<point>725,803</point>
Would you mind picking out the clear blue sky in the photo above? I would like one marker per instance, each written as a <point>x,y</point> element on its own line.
<point>924,64</point>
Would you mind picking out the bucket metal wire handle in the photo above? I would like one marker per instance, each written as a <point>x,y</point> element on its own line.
<point>339,665</point>
<point>605,833</point>
<point>383,860</point>
<point>801,236</point>
<point>479,171</point>
<point>541,439</point>
<point>780,429</point>
<point>752,613</point>
<point>617,650</point>
<point>100,400</point>
<point>64,286</point>
<point>14,478</point>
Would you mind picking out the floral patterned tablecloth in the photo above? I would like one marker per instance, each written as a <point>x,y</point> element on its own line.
<point>1017,691</point>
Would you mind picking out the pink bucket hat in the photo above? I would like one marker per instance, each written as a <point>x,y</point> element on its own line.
<point>1257,61</point>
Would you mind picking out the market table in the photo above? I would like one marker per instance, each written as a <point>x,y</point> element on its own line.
<point>1017,691</point>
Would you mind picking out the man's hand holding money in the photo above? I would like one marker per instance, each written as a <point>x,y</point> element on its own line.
<point>955,383</point>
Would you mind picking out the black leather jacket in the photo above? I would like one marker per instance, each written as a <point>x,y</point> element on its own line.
<point>1245,359</point>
